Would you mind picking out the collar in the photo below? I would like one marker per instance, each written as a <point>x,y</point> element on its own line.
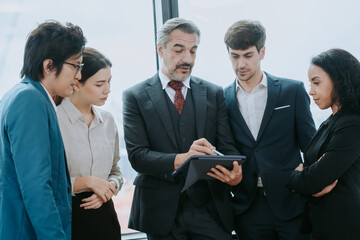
<point>74,114</point>
<point>51,99</point>
<point>263,83</point>
<point>165,80</point>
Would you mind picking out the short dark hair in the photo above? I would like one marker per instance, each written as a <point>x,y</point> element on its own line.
<point>187,26</point>
<point>344,71</point>
<point>51,40</point>
<point>244,34</point>
<point>93,61</point>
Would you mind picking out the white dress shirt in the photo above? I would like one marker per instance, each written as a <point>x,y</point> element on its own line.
<point>90,151</point>
<point>169,90</point>
<point>252,107</point>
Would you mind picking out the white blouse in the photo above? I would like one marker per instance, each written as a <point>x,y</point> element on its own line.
<point>90,151</point>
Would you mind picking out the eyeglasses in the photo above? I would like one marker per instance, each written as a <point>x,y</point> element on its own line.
<point>78,67</point>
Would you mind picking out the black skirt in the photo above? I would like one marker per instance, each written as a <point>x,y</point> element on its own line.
<point>101,223</point>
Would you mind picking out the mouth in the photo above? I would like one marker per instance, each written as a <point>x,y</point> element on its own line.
<point>184,67</point>
<point>103,99</point>
<point>242,72</point>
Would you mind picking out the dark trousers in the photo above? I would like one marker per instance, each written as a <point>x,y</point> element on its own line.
<point>94,224</point>
<point>195,223</point>
<point>259,223</point>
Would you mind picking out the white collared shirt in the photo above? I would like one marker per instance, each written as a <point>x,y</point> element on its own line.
<point>170,91</point>
<point>252,105</point>
<point>51,99</point>
<point>90,151</point>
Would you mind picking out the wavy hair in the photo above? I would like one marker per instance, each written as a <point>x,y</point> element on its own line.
<point>344,71</point>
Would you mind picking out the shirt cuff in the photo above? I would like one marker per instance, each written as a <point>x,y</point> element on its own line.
<point>116,181</point>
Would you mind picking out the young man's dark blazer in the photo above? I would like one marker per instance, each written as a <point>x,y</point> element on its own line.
<point>286,128</point>
<point>151,145</point>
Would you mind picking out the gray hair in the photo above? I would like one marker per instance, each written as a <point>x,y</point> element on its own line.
<point>163,35</point>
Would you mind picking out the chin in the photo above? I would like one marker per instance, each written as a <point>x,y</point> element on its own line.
<point>99,104</point>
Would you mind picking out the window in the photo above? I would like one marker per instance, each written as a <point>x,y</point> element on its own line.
<point>296,31</point>
<point>122,30</point>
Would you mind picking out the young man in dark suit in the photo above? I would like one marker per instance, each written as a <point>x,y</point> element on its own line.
<point>272,123</point>
<point>168,118</point>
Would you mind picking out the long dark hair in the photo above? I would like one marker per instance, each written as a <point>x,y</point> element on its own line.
<point>344,71</point>
<point>93,61</point>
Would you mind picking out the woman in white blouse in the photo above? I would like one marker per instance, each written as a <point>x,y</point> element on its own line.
<point>92,150</point>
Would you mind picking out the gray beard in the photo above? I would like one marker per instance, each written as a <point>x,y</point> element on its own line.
<point>177,78</point>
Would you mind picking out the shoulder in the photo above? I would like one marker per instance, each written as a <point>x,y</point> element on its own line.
<point>211,86</point>
<point>230,88</point>
<point>287,82</point>
<point>346,118</point>
<point>140,87</point>
<point>24,97</point>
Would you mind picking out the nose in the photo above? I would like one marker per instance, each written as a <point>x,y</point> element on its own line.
<point>188,57</point>
<point>311,91</point>
<point>107,88</point>
<point>78,75</point>
<point>242,62</point>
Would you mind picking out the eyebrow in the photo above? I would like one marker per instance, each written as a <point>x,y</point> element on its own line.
<point>237,54</point>
<point>104,80</point>
<point>313,78</point>
<point>180,45</point>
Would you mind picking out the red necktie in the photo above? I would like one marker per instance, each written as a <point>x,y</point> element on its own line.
<point>179,97</point>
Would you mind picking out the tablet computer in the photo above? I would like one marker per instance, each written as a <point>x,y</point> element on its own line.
<point>196,167</point>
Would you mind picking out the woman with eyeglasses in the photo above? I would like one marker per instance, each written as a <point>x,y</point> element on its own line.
<point>92,150</point>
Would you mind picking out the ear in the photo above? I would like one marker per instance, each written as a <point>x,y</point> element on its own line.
<point>48,66</point>
<point>160,50</point>
<point>262,53</point>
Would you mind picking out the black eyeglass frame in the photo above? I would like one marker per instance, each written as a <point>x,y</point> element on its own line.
<point>78,67</point>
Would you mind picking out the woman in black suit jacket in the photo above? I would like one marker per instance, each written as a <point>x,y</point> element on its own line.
<point>332,158</point>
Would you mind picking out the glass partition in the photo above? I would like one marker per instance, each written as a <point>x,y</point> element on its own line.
<point>122,30</point>
<point>296,31</point>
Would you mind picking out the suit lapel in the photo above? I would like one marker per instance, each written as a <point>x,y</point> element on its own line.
<point>314,149</point>
<point>157,96</point>
<point>273,95</point>
<point>199,93</point>
<point>234,110</point>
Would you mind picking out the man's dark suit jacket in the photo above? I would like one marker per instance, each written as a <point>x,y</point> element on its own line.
<point>151,145</point>
<point>286,128</point>
<point>336,214</point>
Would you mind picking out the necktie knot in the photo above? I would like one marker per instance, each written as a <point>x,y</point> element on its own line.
<point>176,85</point>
